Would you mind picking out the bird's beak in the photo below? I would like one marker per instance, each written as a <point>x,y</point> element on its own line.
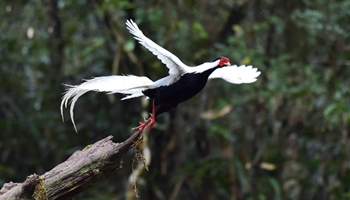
<point>228,64</point>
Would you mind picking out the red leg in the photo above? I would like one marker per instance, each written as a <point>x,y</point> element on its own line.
<point>153,118</point>
<point>149,122</point>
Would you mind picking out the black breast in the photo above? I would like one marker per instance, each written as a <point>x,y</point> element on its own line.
<point>185,88</point>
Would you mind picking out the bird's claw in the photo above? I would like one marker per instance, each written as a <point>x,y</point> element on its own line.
<point>146,124</point>
<point>142,125</point>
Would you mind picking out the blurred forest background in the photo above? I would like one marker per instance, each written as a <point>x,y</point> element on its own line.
<point>284,137</point>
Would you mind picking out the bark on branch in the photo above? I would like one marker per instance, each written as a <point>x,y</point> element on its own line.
<point>81,169</point>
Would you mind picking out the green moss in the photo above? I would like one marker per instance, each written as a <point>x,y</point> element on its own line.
<point>40,191</point>
<point>138,157</point>
<point>87,147</point>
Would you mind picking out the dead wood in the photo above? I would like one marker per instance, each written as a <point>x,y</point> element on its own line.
<point>80,170</point>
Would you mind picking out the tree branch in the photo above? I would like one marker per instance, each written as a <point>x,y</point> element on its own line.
<point>80,170</point>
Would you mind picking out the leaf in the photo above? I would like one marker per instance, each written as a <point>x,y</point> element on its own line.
<point>200,31</point>
<point>246,60</point>
<point>130,45</point>
<point>276,188</point>
<point>332,108</point>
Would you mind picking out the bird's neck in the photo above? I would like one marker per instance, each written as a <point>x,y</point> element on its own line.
<point>202,77</point>
<point>207,72</point>
<point>205,67</point>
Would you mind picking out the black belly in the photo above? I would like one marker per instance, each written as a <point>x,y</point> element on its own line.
<point>168,97</point>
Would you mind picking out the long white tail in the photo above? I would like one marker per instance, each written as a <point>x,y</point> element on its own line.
<point>129,85</point>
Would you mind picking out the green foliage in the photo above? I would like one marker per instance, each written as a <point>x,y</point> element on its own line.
<point>285,136</point>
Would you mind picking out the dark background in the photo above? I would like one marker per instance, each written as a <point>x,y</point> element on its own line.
<point>284,137</point>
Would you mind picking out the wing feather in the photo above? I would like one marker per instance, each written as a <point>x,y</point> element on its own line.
<point>236,74</point>
<point>170,60</point>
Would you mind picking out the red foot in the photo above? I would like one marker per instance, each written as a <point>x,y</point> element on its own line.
<point>146,124</point>
<point>149,122</point>
<point>142,125</point>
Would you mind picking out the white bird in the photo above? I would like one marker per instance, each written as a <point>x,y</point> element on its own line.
<point>182,83</point>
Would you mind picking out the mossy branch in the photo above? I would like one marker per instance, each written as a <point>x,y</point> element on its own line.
<point>81,169</point>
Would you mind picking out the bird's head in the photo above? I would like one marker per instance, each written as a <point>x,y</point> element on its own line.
<point>223,61</point>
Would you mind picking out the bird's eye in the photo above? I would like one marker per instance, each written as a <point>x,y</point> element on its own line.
<point>224,61</point>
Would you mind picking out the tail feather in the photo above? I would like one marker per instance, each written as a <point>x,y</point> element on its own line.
<point>130,85</point>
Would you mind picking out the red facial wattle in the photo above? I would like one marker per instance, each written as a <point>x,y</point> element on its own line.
<point>224,62</point>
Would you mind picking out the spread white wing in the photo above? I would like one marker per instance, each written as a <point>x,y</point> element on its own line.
<point>236,74</point>
<point>170,60</point>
